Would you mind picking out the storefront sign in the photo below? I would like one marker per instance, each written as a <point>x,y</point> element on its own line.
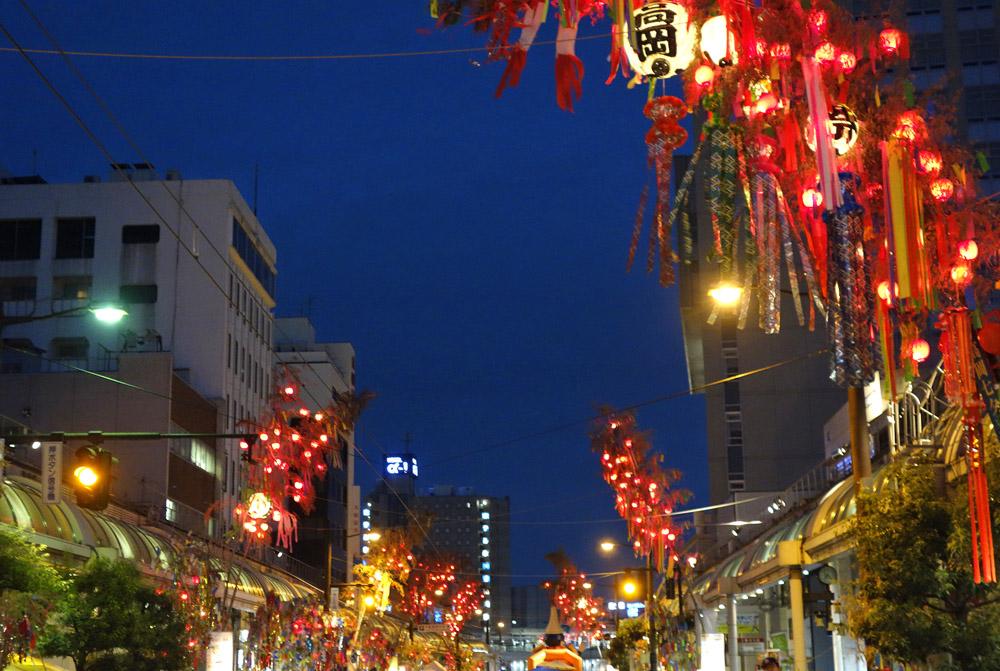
<point>52,472</point>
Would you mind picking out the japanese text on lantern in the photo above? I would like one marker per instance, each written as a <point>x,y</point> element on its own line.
<point>655,32</point>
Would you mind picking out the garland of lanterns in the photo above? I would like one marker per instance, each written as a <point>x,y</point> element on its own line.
<point>816,174</point>
<point>294,448</point>
<point>573,597</point>
<point>644,494</point>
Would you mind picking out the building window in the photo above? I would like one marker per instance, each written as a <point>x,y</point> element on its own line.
<point>229,350</point>
<point>926,52</point>
<point>141,234</point>
<point>18,288</point>
<point>137,293</point>
<point>982,103</point>
<point>255,261</point>
<point>171,510</point>
<point>194,451</point>
<point>977,46</point>
<point>71,287</point>
<point>70,348</point>
<point>20,239</point>
<point>75,238</point>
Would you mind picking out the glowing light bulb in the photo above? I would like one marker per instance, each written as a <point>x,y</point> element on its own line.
<point>920,350</point>
<point>704,76</point>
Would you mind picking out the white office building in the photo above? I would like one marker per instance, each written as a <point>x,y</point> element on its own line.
<point>195,270</point>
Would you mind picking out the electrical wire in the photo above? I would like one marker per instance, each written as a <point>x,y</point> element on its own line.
<point>281,57</point>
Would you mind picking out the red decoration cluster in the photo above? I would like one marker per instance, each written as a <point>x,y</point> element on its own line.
<point>644,494</point>
<point>574,599</point>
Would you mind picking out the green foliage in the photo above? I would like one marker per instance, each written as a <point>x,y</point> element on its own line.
<point>914,596</point>
<point>627,642</point>
<point>109,620</point>
<point>28,585</point>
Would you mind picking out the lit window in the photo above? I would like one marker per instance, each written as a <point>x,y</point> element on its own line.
<point>485,566</point>
<point>171,510</point>
<point>486,578</point>
<point>367,512</point>
<point>364,550</point>
<point>486,528</point>
<point>485,516</point>
<point>486,617</point>
<point>485,540</point>
<point>486,604</point>
<point>366,525</point>
<point>486,553</point>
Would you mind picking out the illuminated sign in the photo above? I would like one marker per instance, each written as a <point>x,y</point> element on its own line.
<point>401,464</point>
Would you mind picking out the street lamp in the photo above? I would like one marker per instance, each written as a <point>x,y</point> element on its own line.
<point>109,314</point>
<point>725,295</point>
<point>608,547</point>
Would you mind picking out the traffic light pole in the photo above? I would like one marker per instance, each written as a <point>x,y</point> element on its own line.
<point>650,618</point>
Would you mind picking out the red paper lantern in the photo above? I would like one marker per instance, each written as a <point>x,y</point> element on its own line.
<point>847,61</point>
<point>942,189</point>
<point>929,162</point>
<point>767,103</point>
<point>989,335</point>
<point>884,292</point>
<point>920,350</point>
<point>890,40</point>
<point>826,53</point>
<point>704,76</point>
<point>818,21</point>
<point>812,197</point>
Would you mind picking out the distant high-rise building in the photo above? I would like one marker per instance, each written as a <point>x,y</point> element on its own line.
<point>530,606</point>
<point>324,371</point>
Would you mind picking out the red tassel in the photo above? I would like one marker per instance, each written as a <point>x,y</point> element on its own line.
<point>569,76</point>
<point>515,66</point>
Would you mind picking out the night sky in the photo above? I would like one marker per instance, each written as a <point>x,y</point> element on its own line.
<point>473,250</point>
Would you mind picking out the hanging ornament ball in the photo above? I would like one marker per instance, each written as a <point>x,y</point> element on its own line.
<point>968,249</point>
<point>989,334</point>
<point>942,189</point>
<point>961,274</point>
<point>826,53</point>
<point>920,350</point>
<point>929,162</point>
<point>704,76</point>
<point>847,61</point>
<point>812,197</point>
<point>889,41</point>
<point>259,506</point>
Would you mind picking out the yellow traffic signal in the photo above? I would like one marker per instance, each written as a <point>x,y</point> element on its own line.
<point>92,477</point>
<point>86,476</point>
<point>629,588</point>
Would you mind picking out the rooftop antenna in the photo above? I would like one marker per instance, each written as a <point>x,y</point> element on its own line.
<point>256,181</point>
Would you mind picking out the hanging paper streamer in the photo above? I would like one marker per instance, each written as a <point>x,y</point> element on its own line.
<point>722,166</point>
<point>850,295</point>
<point>957,350</point>
<point>904,217</point>
<point>534,17</point>
<point>569,68</point>
<point>826,159</point>
<point>663,138</point>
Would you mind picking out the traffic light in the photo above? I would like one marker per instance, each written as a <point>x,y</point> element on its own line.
<point>92,477</point>
<point>633,584</point>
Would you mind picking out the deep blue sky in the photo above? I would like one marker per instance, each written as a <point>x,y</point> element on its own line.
<point>472,249</point>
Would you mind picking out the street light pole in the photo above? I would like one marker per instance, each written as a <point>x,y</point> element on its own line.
<point>651,620</point>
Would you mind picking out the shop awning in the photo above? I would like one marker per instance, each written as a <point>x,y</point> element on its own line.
<point>76,534</point>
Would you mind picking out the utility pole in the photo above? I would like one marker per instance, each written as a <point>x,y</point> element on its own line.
<point>861,465</point>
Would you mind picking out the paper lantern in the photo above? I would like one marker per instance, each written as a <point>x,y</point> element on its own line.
<point>929,162</point>
<point>920,350</point>
<point>961,274</point>
<point>890,40</point>
<point>767,103</point>
<point>662,39</point>
<point>259,506</point>
<point>942,189</point>
<point>989,334</point>
<point>717,42</point>
<point>884,291</point>
<point>826,53</point>
<point>968,249</point>
<point>910,127</point>
<point>847,61</point>
<point>844,129</point>
<point>818,21</point>
<point>812,197</point>
<point>704,76</point>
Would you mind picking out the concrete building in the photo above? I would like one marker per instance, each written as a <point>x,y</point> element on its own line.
<point>324,371</point>
<point>198,330</point>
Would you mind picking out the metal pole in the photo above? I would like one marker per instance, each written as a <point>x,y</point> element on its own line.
<point>860,457</point>
<point>798,619</point>
<point>734,636</point>
<point>328,582</point>
<point>653,643</point>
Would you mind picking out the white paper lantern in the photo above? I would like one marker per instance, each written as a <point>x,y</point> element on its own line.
<point>661,41</point>
<point>844,130</point>
<point>717,41</point>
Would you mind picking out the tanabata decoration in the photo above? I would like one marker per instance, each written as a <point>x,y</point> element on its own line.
<point>294,447</point>
<point>573,597</point>
<point>434,587</point>
<point>820,178</point>
<point>192,590</point>
<point>295,634</point>
<point>644,492</point>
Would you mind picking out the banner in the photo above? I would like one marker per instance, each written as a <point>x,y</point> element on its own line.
<point>52,472</point>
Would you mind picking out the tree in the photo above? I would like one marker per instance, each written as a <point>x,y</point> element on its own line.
<point>627,642</point>
<point>914,597</point>
<point>28,585</point>
<point>108,619</point>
